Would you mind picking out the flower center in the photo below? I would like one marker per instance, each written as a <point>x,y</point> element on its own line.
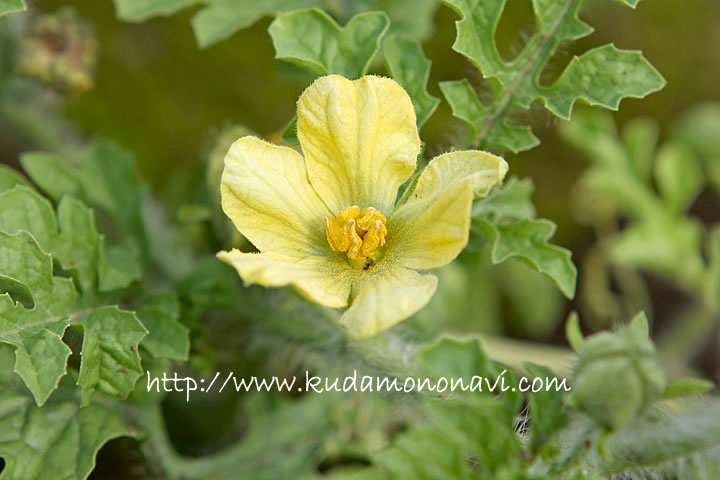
<point>356,232</point>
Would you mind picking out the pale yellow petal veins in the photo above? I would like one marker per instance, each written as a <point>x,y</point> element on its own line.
<point>266,193</point>
<point>385,299</point>
<point>359,139</point>
<point>431,229</point>
<point>320,279</point>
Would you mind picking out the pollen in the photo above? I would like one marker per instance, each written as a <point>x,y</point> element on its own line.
<point>357,232</point>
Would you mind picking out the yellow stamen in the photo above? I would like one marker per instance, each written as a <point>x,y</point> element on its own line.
<point>356,232</point>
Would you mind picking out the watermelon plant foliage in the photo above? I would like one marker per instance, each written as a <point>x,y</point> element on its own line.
<point>602,76</point>
<point>104,285</point>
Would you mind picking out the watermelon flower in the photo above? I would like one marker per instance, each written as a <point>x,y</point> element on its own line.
<point>328,221</point>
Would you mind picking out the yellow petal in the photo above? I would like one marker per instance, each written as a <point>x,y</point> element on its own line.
<point>483,169</point>
<point>431,229</point>
<point>319,279</point>
<point>359,139</point>
<point>385,299</point>
<point>267,195</point>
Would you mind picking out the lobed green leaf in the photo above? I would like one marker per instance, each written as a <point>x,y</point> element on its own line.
<point>678,176</point>
<point>466,106</point>
<point>77,246</point>
<point>409,66</point>
<point>218,20</point>
<point>222,18</point>
<point>12,6</point>
<point>312,40</point>
<point>511,200</point>
<point>417,26</point>
<point>527,239</point>
<point>118,266</point>
<point>34,331</point>
<point>602,76</point>
<point>661,245</point>
<point>465,432</point>
<point>31,240</point>
<point>167,337</point>
<point>547,413</point>
<point>10,177</point>
<point>660,238</point>
<point>105,178</point>
<point>23,209</point>
<point>422,453</point>
<point>110,360</point>
<point>58,441</point>
<point>141,10</point>
<point>454,358</point>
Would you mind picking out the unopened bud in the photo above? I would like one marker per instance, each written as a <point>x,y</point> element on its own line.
<point>59,49</point>
<point>618,375</point>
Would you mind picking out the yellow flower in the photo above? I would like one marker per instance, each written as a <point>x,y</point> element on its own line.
<point>328,223</point>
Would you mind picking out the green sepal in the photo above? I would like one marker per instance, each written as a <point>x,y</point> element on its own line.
<point>686,386</point>
<point>289,135</point>
<point>572,331</point>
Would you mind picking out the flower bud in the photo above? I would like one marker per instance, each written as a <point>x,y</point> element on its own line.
<point>617,375</point>
<point>59,49</point>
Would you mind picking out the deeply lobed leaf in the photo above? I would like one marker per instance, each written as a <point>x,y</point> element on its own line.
<point>35,331</point>
<point>105,178</point>
<point>167,337</point>
<point>505,219</point>
<point>602,76</point>
<point>216,21</point>
<point>58,441</point>
<point>31,240</point>
<point>312,39</point>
